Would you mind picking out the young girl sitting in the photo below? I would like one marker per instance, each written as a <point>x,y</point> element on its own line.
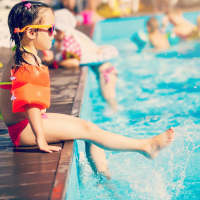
<point>23,105</point>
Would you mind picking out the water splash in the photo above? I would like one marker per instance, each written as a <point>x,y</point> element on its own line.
<point>160,92</point>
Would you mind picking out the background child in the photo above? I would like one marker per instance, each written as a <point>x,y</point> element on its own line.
<point>22,107</point>
<point>72,48</point>
<point>59,56</point>
<point>181,26</point>
<point>157,38</point>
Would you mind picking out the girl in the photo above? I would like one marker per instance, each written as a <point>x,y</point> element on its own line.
<point>31,25</point>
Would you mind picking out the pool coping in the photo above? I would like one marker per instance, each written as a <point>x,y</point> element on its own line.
<point>63,169</point>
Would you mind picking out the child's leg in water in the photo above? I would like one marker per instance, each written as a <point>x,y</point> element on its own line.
<point>97,159</point>
<point>108,79</point>
<point>60,127</point>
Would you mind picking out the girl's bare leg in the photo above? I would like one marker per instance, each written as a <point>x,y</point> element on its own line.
<point>60,127</point>
<point>108,87</point>
<point>97,159</point>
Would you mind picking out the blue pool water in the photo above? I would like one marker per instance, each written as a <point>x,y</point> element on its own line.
<point>155,91</point>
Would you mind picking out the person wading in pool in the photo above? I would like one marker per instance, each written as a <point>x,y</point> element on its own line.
<point>158,39</point>
<point>181,26</point>
<point>23,105</point>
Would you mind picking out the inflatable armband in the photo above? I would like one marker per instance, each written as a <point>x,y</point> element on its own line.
<point>30,86</point>
<point>172,38</point>
<point>140,39</point>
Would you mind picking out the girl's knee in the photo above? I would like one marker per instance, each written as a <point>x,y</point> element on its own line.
<point>90,127</point>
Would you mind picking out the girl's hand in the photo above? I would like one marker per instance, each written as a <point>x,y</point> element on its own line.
<point>34,116</point>
<point>43,146</point>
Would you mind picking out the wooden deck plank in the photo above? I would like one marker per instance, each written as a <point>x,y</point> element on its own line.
<point>32,168</point>
<point>26,192</point>
<point>26,179</point>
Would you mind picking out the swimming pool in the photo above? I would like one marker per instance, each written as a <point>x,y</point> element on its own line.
<point>155,91</point>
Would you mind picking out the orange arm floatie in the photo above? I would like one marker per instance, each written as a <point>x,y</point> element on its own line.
<point>30,87</point>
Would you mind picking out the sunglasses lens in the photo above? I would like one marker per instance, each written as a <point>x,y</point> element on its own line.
<point>51,30</point>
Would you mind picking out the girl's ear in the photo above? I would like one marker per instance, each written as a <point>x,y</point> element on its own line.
<point>31,33</point>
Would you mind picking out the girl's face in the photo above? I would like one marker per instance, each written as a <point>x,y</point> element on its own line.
<point>43,40</point>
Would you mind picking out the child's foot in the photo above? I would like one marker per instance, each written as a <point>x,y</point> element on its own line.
<point>159,142</point>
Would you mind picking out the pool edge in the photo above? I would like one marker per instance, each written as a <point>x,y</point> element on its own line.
<point>59,189</point>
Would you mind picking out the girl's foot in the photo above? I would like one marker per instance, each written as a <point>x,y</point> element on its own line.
<point>159,142</point>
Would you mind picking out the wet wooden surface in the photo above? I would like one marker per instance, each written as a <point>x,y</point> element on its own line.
<point>27,173</point>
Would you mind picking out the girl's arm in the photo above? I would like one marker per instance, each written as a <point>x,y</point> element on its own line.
<point>35,120</point>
